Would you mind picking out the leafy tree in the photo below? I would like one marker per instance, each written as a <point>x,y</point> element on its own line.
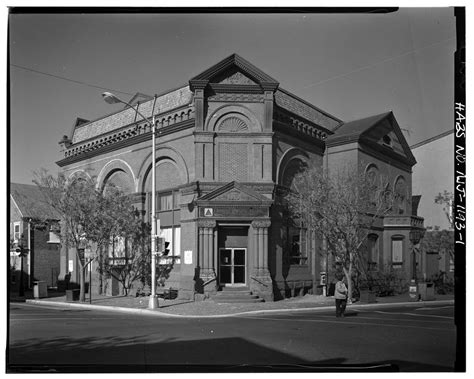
<point>435,239</point>
<point>342,209</point>
<point>91,219</point>
<point>438,241</point>
<point>127,229</point>
<point>446,199</point>
<point>78,204</point>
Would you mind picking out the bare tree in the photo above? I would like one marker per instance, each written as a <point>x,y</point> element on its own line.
<point>342,209</point>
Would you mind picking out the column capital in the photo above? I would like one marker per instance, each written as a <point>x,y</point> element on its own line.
<point>261,224</point>
<point>207,223</point>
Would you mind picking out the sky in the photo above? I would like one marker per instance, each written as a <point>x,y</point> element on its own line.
<point>351,66</point>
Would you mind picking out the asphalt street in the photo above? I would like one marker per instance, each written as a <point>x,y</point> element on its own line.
<point>397,338</point>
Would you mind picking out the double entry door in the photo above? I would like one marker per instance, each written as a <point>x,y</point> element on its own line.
<point>232,266</point>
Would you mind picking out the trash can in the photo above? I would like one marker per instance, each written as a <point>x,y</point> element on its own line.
<point>426,290</point>
<point>40,289</point>
<point>72,295</point>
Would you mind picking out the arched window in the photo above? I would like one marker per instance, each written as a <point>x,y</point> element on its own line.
<point>292,169</point>
<point>372,176</point>
<point>121,180</point>
<point>400,191</point>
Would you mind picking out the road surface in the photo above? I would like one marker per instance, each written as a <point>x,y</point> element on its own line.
<point>76,340</point>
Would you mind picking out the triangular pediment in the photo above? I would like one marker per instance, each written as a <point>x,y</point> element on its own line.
<point>388,135</point>
<point>233,192</point>
<point>234,70</point>
<point>233,76</point>
<point>381,132</point>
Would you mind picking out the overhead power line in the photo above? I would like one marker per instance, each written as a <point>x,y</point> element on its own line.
<point>376,64</point>
<point>69,80</point>
<point>432,139</point>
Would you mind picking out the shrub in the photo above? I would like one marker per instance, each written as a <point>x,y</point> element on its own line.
<point>443,285</point>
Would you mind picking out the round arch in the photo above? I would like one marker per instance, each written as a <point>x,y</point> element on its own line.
<point>78,174</point>
<point>112,167</point>
<point>372,174</point>
<point>239,112</point>
<point>163,154</point>
<point>292,154</point>
<point>400,190</point>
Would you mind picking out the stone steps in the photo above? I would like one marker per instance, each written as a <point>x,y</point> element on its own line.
<point>236,295</point>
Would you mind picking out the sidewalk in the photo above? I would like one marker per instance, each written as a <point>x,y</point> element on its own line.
<point>209,308</point>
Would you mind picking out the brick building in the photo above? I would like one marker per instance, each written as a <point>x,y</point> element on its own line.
<point>227,141</point>
<point>32,224</point>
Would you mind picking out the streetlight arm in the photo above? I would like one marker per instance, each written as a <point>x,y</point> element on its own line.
<point>110,98</point>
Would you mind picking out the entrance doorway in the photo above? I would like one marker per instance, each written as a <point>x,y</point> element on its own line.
<point>232,266</point>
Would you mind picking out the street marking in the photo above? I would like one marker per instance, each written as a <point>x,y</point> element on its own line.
<point>349,323</point>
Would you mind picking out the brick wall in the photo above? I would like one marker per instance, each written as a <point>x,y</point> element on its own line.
<point>45,258</point>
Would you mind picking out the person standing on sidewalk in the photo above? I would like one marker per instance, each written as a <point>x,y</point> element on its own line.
<point>340,294</point>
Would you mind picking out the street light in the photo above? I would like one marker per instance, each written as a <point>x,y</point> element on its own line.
<point>110,98</point>
<point>415,236</point>
<point>22,252</point>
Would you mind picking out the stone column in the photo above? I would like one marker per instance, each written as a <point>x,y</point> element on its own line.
<point>265,247</point>
<point>207,273</point>
<point>260,280</point>
<point>201,247</point>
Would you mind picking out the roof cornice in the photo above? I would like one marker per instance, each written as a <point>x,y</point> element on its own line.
<point>124,143</point>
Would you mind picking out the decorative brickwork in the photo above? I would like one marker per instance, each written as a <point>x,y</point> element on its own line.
<point>233,162</point>
<point>300,125</point>
<point>302,109</point>
<point>163,125</point>
<point>167,176</point>
<point>164,103</point>
<point>237,97</point>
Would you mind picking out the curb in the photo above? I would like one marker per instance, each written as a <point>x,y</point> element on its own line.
<point>158,313</point>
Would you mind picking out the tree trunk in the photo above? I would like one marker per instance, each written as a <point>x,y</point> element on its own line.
<point>82,282</point>
<point>348,274</point>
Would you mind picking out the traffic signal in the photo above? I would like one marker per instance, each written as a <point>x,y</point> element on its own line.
<point>22,250</point>
<point>165,250</point>
<point>160,244</point>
